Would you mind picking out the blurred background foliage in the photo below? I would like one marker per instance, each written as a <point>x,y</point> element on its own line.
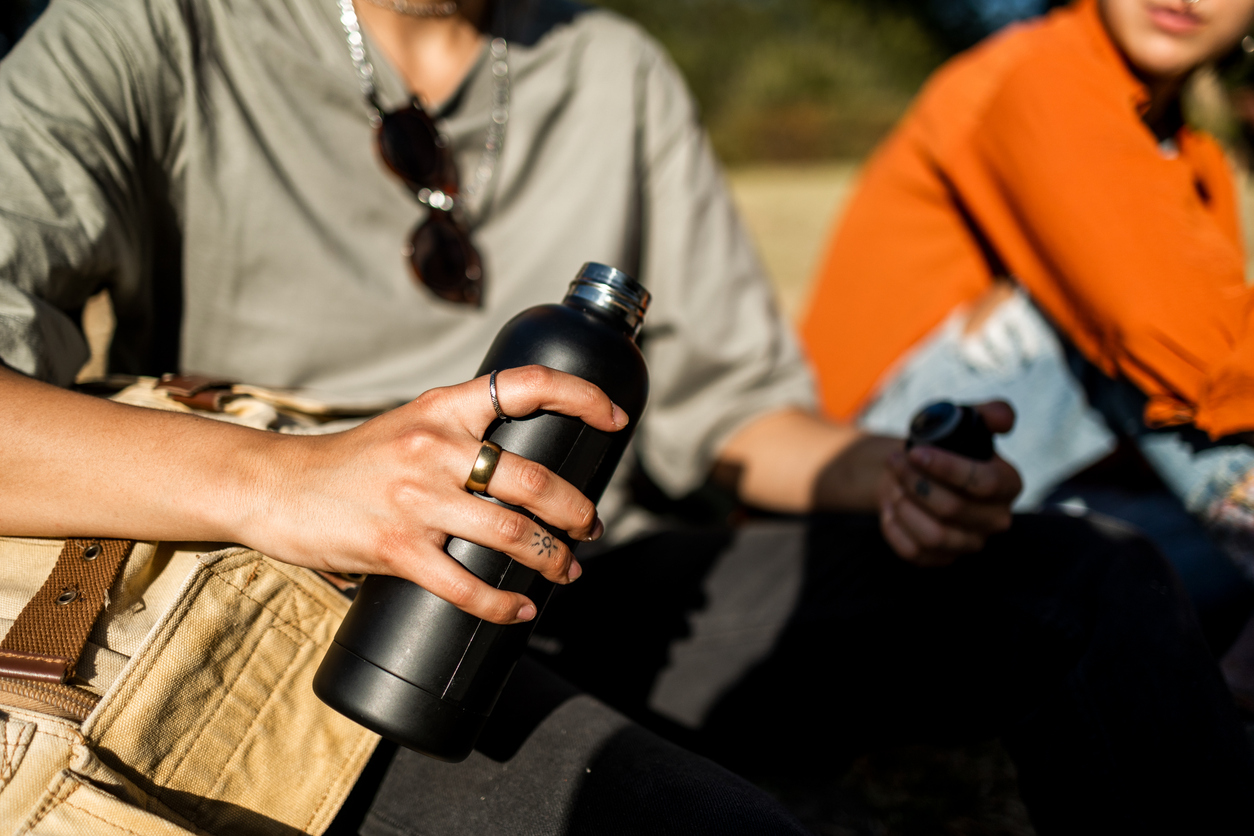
<point>785,80</point>
<point>800,80</point>
<point>815,80</point>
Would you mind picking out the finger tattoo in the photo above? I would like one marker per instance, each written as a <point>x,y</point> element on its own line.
<point>971,476</point>
<point>922,487</point>
<point>543,543</point>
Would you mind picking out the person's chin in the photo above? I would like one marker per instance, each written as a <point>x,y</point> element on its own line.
<point>1165,60</point>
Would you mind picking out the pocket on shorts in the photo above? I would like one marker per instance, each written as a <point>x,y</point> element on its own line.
<point>73,807</point>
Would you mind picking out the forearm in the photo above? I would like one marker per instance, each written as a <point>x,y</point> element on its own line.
<point>933,505</point>
<point>792,461</point>
<point>78,465</point>
<point>382,498</point>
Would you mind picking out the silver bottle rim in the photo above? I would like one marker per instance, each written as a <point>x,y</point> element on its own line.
<point>923,430</point>
<point>611,290</point>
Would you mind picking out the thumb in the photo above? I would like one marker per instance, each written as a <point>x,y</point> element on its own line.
<point>999,415</point>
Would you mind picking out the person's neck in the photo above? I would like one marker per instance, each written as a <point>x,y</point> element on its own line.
<point>431,54</point>
<point>1163,115</point>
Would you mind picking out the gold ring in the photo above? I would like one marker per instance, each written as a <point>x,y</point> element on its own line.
<point>485,465</point>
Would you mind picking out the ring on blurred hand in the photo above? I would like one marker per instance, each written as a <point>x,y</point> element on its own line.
<point>500,413</point>
<point>485,465</point>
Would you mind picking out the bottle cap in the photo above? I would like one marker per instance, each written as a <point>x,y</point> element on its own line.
<point>612,291</point>
<point>935,421</point>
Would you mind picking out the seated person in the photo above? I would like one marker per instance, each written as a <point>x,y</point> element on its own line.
<point>1042,226</point>
<point>214,166</point>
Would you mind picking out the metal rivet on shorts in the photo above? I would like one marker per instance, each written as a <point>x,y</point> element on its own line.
<point>91,552</point>
<point>67,596</point>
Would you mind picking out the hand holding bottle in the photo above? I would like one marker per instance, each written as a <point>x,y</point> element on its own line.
<point>936,504</point>
<point>384,497</point>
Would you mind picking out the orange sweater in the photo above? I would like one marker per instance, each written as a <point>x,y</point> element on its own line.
<point>1027,157</point>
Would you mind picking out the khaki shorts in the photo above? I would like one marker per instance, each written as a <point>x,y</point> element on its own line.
<point>211,726</point>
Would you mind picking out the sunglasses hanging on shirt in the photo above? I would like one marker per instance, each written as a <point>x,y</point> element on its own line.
<point>440,252</point>
<point>441,255</point>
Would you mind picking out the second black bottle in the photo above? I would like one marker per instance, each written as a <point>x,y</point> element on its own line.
<point>413,667</point>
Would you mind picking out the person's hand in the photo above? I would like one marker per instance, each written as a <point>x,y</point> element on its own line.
<point>384,497</point>
<point>936,505</point>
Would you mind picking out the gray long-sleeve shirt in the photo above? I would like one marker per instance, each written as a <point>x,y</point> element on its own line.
<point>212,163</point>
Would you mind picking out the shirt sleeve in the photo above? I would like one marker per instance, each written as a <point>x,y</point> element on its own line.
<point>1128,249</point>
<point>719,354</point>
<point>80,95</point>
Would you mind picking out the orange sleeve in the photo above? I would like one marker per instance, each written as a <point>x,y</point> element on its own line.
<point>905,254</point>
<point>1120,245</point>
<point>898,263</point>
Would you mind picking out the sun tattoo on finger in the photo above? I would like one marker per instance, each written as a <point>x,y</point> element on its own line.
<point>544,544</point>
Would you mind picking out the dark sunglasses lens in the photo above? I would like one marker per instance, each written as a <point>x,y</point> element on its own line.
<point>444,260</point>
<point>411,146</point>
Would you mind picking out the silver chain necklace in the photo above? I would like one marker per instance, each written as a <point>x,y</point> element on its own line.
<point>499,55</point>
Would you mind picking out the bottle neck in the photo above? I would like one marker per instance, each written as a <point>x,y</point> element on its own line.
<point>612,317</point>
<point>617,305</point>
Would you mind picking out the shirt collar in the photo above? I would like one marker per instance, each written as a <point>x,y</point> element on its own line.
<point>1088,18</point>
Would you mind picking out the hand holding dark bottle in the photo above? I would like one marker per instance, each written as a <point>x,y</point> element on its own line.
<point>936,504</point>
<point>384,497</point>
<point>405,662</point>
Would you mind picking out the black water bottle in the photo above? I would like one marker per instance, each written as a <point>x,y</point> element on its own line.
<point>413,667</point>
<point>957,428</point>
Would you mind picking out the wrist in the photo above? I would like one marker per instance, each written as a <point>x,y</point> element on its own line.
<point>857,477</point>
<point>252,476</point>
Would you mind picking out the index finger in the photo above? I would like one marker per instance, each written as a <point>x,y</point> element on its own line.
<point>527,389</point>
<point>995,480</point>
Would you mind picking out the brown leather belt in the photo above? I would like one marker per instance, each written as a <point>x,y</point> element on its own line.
<point>199,391</point>
<point>42,648</point>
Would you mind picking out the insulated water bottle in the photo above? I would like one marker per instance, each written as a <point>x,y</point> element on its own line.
<point>413,667</point>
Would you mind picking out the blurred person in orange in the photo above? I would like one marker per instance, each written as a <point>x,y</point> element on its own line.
<point>1043,226</point>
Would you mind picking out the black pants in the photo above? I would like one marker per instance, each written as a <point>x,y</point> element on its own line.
<point>555,762</point>
<point>786,646</point>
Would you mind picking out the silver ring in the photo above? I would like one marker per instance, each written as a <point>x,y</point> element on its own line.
<point>496,405</point>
